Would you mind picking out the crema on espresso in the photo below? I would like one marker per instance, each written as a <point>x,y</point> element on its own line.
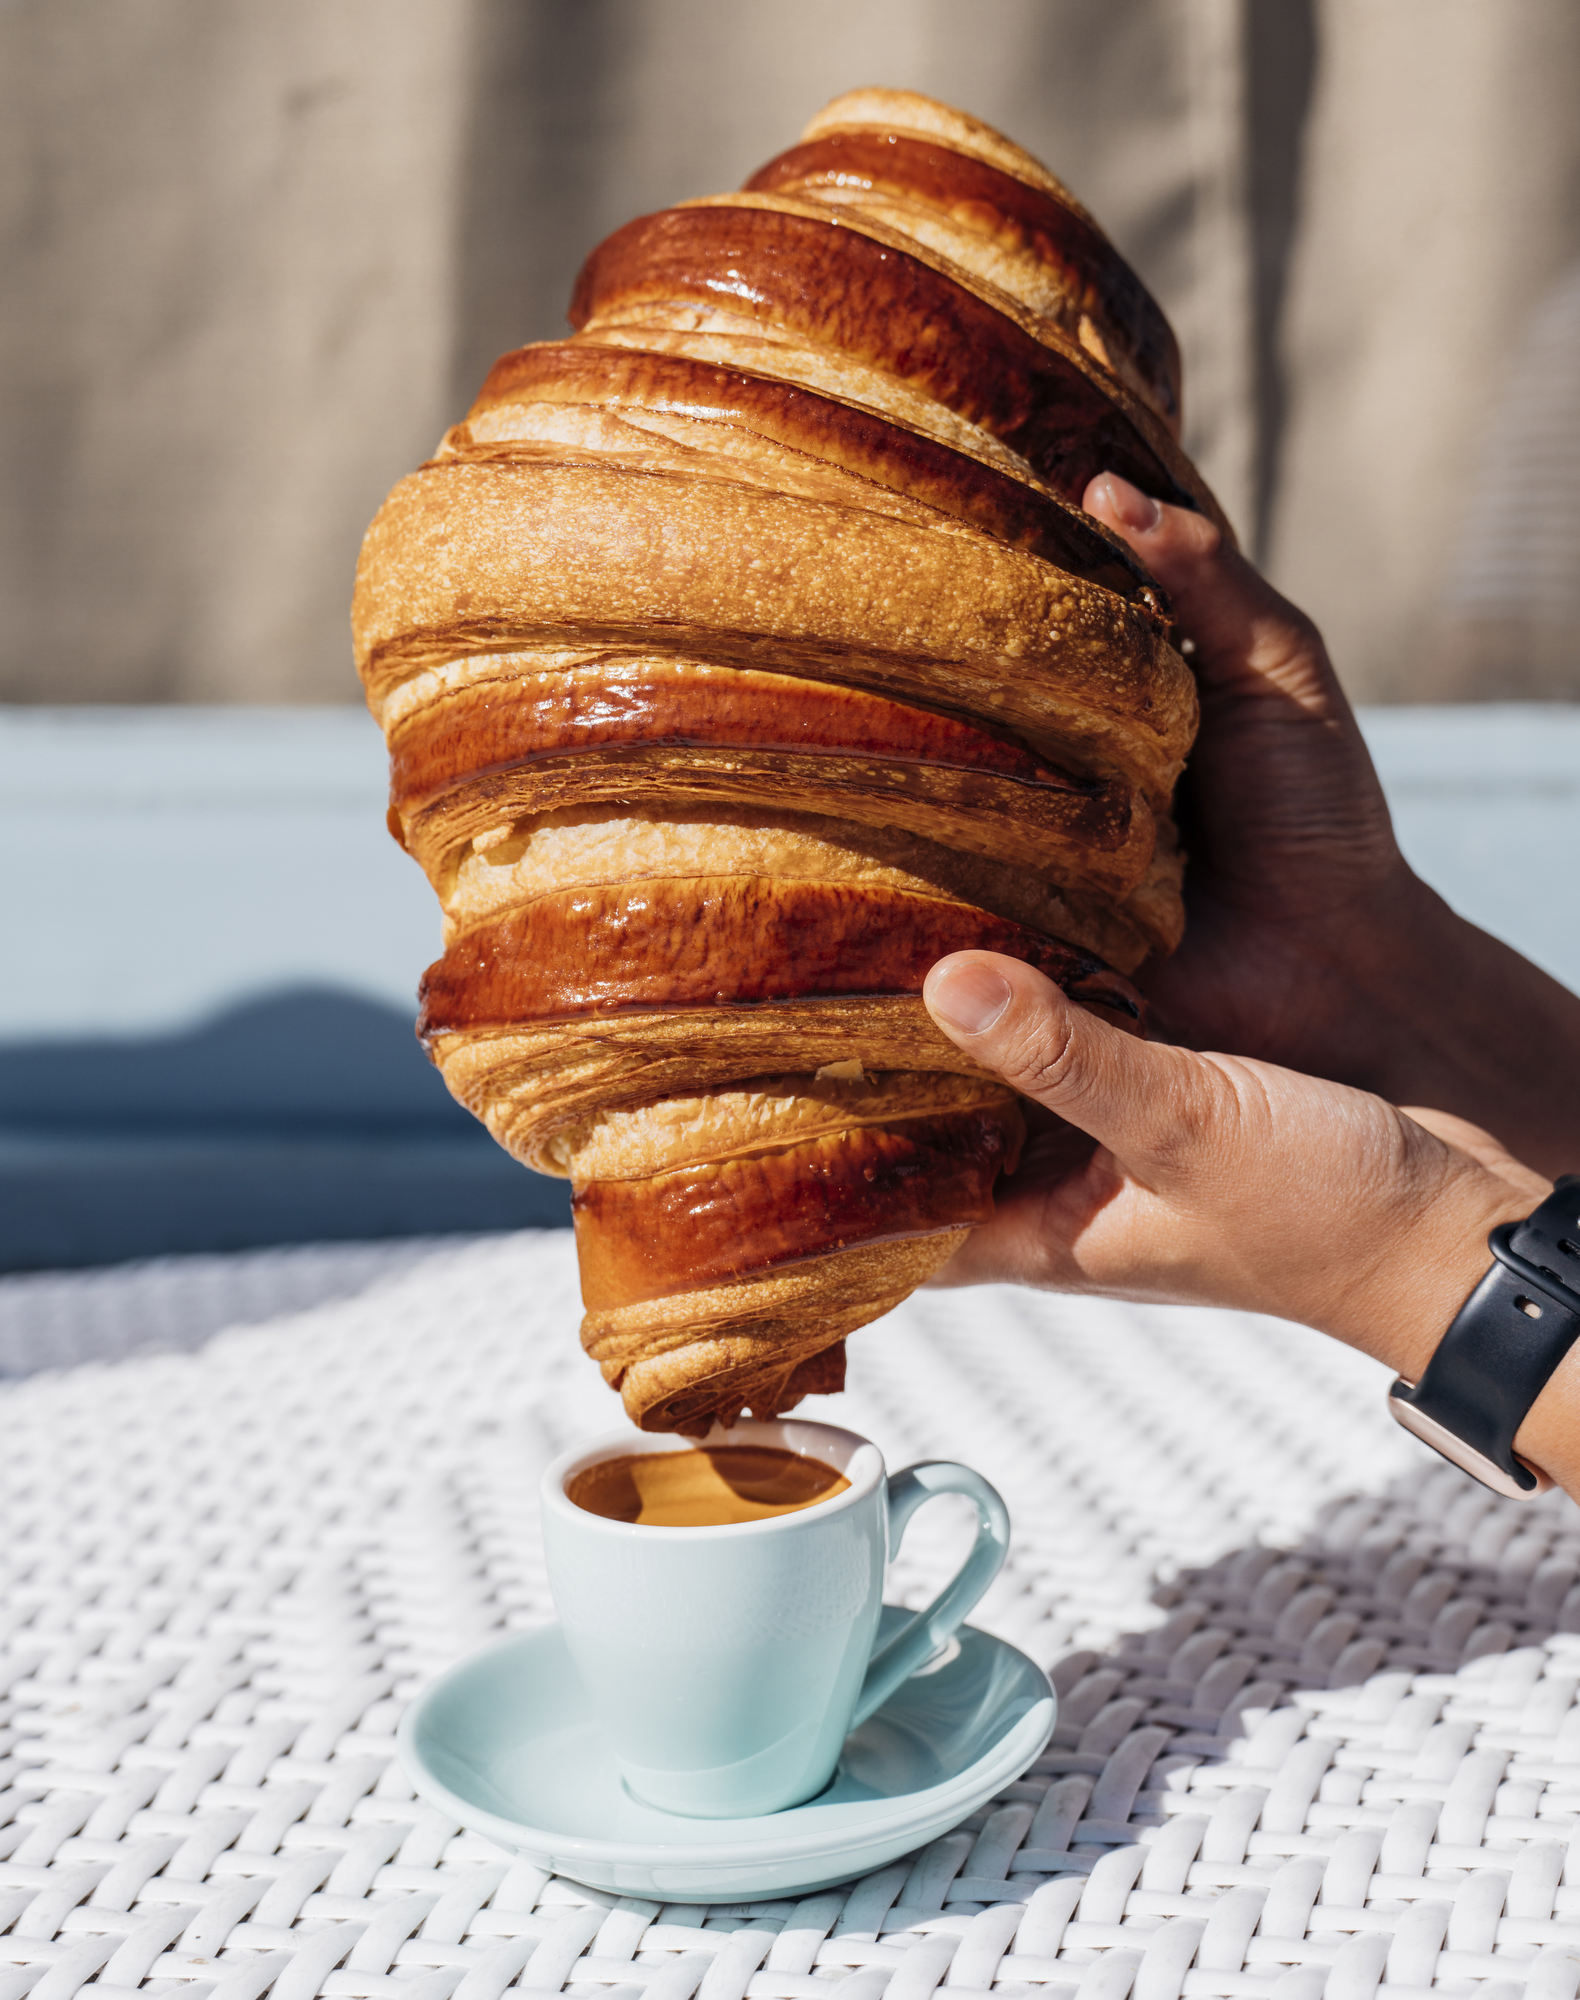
<point>705,1488</point>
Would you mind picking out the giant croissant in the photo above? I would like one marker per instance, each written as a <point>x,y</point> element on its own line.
<point>739,657</point>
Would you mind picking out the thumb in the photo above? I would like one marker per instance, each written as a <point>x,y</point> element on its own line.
<point>1142,1100</point>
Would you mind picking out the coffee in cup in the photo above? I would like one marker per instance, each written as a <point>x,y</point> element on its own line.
<point>710,1487</point>
<point>727,1648</point>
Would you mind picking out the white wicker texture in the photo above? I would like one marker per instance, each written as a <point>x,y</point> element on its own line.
<point>1339,1754</point>
<point>164,1305</point>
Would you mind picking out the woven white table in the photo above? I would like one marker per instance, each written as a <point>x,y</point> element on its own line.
<point>1318,1726</point>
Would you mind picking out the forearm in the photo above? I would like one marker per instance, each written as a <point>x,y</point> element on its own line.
<point>1460,1022</point>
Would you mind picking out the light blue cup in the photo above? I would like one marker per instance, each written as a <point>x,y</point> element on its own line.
<point>728,1664</point>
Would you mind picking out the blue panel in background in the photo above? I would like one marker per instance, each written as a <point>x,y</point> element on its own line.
<point>212,947</point>
<point>1486,803</point>
<point>164,864</point>
<point>305,1117</point>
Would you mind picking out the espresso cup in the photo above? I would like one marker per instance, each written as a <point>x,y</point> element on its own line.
<point>727,1663</point>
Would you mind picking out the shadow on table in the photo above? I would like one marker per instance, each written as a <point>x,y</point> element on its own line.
<point>304,1116</point>
<point>1432,1577</point>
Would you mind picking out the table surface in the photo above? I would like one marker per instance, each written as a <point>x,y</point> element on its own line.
<point>1318,1731</point>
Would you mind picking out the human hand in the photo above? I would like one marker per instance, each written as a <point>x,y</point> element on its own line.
<point>1206,1179</point>
<point>1309,941</point>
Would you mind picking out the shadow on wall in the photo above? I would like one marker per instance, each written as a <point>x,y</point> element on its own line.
<point>308,1116</point>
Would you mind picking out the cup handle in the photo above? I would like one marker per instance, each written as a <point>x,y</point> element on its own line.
<point>920,1638</point>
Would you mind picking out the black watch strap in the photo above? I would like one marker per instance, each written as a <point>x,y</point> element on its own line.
<point>1504,1343</point>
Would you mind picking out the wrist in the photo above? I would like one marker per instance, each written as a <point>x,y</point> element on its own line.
<point>1443,1264</point>
<point>1401,945</point>
<point>1549,1438</point>
<point>1422,1271</point>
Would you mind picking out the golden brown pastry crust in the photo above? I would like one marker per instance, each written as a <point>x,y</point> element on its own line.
<point>896,152</point>
<point>470,558</point>
<point>560,854</point>
<point>533,1084</point>
<point>763,408</point>
<point>871,109</point>
<point>715,1221</point>
<point>870,292</point>
<point>518,745</point>
<point>765,1114</point>
<point>684,1362</point>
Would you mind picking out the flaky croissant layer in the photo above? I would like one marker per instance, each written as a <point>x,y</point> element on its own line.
<point>709,1199</point>
<point>739,657</point>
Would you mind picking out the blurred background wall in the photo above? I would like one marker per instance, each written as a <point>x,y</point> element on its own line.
<point>257,253</point>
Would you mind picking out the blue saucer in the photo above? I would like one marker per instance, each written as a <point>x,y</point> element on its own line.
<point>506,1744</point>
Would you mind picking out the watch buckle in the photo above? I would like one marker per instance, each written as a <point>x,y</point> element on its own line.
<point>1457,1452</point>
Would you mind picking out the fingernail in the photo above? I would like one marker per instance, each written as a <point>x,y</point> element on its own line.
<point>970,997</point>
<point>1136,509</point>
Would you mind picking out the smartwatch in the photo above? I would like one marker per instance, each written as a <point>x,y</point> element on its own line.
<point>1503,1345</point>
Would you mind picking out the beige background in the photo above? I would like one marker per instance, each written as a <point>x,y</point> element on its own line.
<point>257,252</point>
